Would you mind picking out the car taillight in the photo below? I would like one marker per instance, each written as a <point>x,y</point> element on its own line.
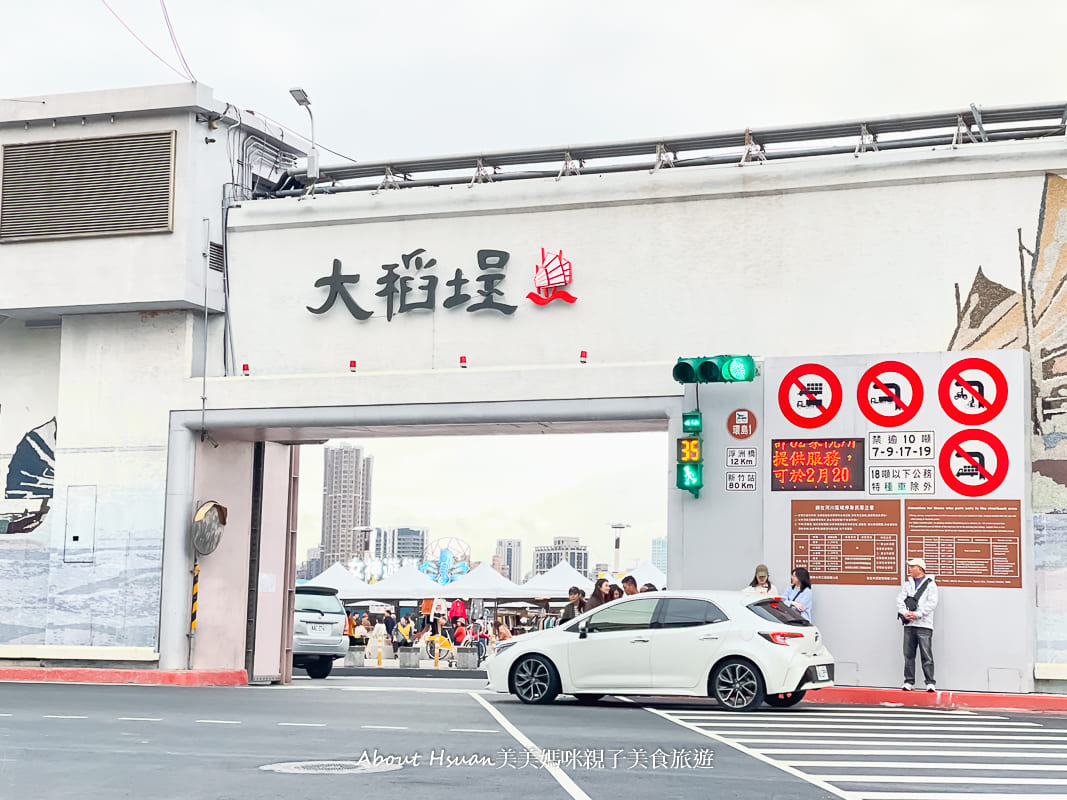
<point>776,637</point>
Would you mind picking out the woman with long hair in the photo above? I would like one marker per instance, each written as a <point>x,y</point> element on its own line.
<point>576,605</point>
<point>616,592</point>
<point>761,582</point>
<point>799,595</point>
<point>600,594</point>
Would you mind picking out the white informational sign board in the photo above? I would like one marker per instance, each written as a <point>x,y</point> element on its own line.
<point>876,459</point>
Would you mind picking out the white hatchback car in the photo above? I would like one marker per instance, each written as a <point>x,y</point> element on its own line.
<point>739,648</point>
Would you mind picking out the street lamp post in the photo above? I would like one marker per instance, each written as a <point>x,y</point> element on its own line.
<point>302,99</point>
<point>617,527</point>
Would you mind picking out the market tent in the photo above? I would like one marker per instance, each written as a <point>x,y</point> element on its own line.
<point>485,583</point>
<point>348,586</point>
<point>556,582</point>
<point>407,583</point>
<point>647,572</point>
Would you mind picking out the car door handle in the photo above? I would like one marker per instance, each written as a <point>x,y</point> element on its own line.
<point>635,641</point>
<point>708,638</point>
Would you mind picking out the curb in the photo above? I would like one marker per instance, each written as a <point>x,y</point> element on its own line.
<point>862,695</point>
<point>142,677</point>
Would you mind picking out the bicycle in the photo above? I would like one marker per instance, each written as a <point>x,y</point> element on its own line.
<point>444,646</point>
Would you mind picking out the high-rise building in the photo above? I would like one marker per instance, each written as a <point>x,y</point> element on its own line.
<point>659,554</point>
<point>510,550</point>
<point>313,565</point>
<point>399,542</point>
<point>563,548</point>
<point>498,564</point>
<point>346,503</point>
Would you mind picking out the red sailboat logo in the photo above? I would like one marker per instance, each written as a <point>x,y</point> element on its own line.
<point>553,272</point>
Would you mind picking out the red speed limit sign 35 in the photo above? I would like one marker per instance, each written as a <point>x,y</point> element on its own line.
<point>890,393</point>
<point>810,395</point>
<point>973,391</point>
<point>973,462</point>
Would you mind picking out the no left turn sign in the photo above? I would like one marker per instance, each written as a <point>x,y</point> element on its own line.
<point>973,391</point>
<point>890,393</point>
<point>810,395</point>
<point>973,462</point>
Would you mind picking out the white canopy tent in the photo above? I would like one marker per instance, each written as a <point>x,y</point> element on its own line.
<point>647,572</point>
<point>484,583</point>
<point>556,582</point>
<point>348,586</point>
<point>407,583</point>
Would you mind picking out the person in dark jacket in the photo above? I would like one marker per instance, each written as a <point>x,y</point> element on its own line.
<point>600,594</point>
<point>576,605</point>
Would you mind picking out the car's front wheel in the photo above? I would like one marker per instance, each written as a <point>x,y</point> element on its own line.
<point>737,685</point>
<point>785,700</point>
<point>535,680</point>
<point>320,668</point>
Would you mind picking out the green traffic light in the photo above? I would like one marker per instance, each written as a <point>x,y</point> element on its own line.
<point>715,369</point>
<point>692,422</point>
<point>738,368</point>
<point>690,476</point>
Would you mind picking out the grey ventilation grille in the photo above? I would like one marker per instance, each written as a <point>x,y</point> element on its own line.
<point>88,187</point>
<point>214,256</point>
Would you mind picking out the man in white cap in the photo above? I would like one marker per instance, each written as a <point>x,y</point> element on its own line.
<point>915,608</point>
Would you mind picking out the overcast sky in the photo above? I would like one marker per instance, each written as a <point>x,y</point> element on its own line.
<point>406,79</point>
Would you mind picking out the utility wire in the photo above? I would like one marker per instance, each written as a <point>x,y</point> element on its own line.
<point>143,44</point>
<point>174,41</point>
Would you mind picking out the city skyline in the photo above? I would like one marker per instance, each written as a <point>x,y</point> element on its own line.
<point>488,495</point>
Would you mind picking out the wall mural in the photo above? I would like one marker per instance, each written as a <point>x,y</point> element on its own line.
<point>1033,317</point>
<point>30,481</point>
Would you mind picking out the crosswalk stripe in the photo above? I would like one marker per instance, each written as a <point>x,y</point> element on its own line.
<point>825,726</point>
<point>953,779</point>
<point>947,796</point>
<point>797,751</point>
<point>928,765</point>
<point>948,716</point>
<point>777,736</point>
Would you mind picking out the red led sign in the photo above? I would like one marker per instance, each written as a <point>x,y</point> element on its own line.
<point>817,465</point>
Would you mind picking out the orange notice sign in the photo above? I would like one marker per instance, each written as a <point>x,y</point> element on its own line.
<point>847,543</point>
<point>967,542</point>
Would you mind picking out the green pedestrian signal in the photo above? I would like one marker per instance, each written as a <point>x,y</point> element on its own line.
<point>692,422</point>
<point>690,476</point>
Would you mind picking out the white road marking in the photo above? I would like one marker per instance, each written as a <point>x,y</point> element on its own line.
<point>925,765</point>
<point>304,724</point>
<point>220,721</point>
<point>141,719</point>
<point>754,754</point>
<point>865,752</point>
<point>385,727</point>
<point>947,796</point>
<point>953,779</point>
<point>473,730</point>
<point>5,715</point>
<point>910,714</point>
<point>814,728</point>
<point>562,778</point>
<point>63,716</point>
<point>777,736</point>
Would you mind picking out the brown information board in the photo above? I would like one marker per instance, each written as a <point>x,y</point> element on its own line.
<point>967,542</point>
<point>855,543</point>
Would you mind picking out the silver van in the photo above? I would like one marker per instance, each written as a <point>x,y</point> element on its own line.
<point>319,630</point>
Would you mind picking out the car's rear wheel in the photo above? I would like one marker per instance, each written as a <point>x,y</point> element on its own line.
<point>785,700</point>
<point>737,685</point>
<point>320,668</point>
<point>535,680</point>
<point>588,699</point>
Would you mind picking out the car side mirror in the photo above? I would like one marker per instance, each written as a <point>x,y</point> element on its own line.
<point>583,629</point>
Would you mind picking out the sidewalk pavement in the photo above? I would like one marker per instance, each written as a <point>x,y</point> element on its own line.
<point>843,695</point>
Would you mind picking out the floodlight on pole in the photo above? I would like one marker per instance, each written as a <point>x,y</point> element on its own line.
<point>302,99</point>
<point>617,527</point>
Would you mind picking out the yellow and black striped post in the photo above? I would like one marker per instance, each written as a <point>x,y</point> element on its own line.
<point>192,620</point>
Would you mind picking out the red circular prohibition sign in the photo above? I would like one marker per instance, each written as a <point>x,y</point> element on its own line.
<point>907,411</point>
<point>989,409</point>
<point>825,413</point>
<point>992,479</point>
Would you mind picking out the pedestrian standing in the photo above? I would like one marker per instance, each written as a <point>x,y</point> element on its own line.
<point>761,582</point>
<point>916,602</point>
<point>799,595</point>
<point>576,605</point>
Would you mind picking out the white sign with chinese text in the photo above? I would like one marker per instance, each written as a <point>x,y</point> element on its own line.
<point>900,480</point>
<point>901,446</point>
<point>740,481</point>
<point>740,456</point>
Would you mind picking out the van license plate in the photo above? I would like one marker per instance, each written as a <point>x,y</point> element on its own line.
<point>821,674</point>
<point>325,630</point>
